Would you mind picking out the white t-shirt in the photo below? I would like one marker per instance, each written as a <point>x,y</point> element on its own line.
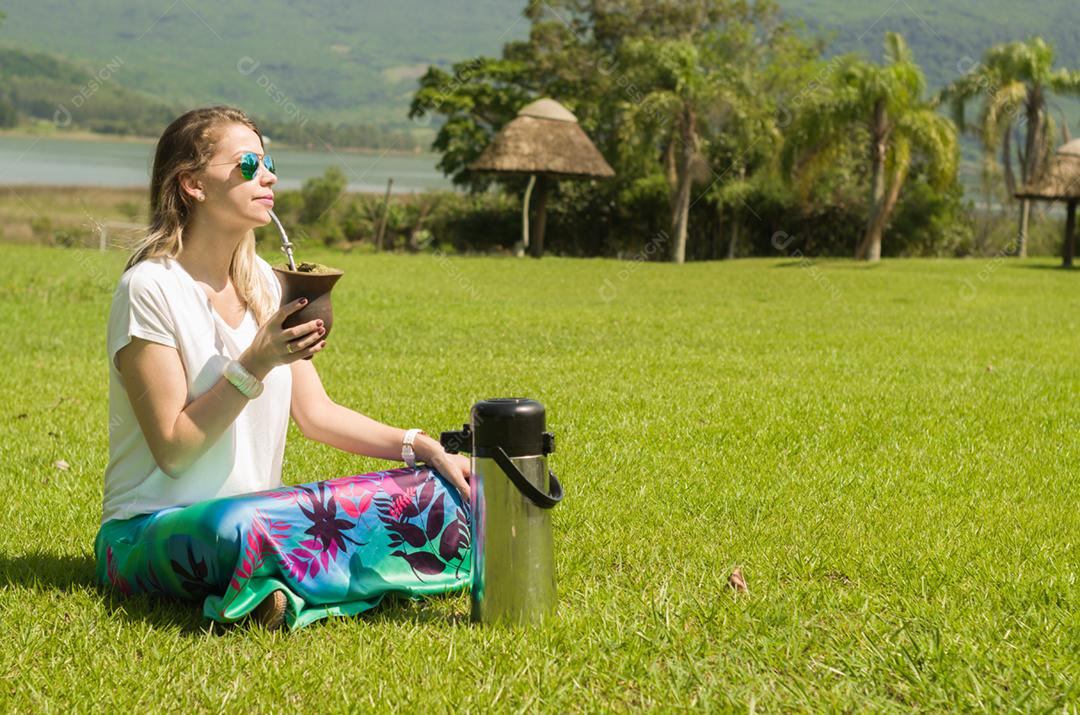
<point>158,300</point>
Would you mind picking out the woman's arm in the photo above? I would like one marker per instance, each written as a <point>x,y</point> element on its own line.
<point>351,431</point>
<point>321,419</point>
<point>177,434</point>
<point>156,384</point>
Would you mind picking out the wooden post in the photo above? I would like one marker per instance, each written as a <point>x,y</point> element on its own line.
<point>525,216</point>
<point>1022,230</point>
<point>103,237</point>
<point>1070,235</point>
<point>537,240</point>
<point>382,218</point>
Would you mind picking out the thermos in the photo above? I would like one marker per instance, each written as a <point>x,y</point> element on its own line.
<point>513,491</point>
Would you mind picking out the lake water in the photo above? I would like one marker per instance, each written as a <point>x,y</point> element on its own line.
<point>50,161</point>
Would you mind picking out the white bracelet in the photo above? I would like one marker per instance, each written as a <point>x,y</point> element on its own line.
<point>248,385</point>
<point>408,454</point>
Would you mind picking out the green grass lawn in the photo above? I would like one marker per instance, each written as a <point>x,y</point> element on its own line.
<point>888,453</point>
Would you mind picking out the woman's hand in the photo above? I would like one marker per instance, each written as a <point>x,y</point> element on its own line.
<point>456,469</point>
<point>273,346</point>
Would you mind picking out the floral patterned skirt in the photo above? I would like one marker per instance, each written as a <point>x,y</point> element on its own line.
<point>335,547</point>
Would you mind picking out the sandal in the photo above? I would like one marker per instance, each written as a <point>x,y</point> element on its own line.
<point>271,611</point>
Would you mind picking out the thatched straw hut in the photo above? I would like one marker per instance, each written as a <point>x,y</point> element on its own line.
<point>1060,181</point>
<point>546,142</point>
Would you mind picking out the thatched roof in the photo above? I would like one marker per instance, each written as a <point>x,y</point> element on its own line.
<point>1060,181</point>
<point>1070,149</point>
<point>544,138</point>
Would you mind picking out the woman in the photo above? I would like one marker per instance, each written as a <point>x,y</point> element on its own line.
<point>202,381</point>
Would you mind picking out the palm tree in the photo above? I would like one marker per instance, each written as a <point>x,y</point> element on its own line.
<point>1013,82</point>
<point>679,82</point>
<point>884,105</point>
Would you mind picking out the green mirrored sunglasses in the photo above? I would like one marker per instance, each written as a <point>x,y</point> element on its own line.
<point>249,164</point>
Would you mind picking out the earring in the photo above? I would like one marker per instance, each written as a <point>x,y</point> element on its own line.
<point>202,197</point>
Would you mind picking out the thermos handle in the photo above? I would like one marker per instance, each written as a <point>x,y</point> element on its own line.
<point>537,497</point>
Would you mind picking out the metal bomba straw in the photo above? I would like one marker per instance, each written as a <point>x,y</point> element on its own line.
<point>286,244</point>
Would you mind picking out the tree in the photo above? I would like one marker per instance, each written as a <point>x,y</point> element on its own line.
<point>682,83</point>
<point>320,193</point>
<point>690,65</point>
<point>477,98</point>
<point>1014,81</point>
<point>765,81</point>
<point>883,105</point>
<point>646,80</point>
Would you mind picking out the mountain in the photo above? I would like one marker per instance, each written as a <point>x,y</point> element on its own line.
<point>356,61</point>
<point>334,60</point>
<point>947,37</point>
<point>45,86</point>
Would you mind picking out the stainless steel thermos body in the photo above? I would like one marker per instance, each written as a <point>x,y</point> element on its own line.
<point>513,491</point>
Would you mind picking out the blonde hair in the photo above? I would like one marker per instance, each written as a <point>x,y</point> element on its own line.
<point>188,145</point>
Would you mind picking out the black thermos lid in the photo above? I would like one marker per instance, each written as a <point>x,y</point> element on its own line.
<point>514,423</point>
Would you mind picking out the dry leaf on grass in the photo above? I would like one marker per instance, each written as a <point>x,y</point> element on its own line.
<point>737,582</point>
<point>61,464</point>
